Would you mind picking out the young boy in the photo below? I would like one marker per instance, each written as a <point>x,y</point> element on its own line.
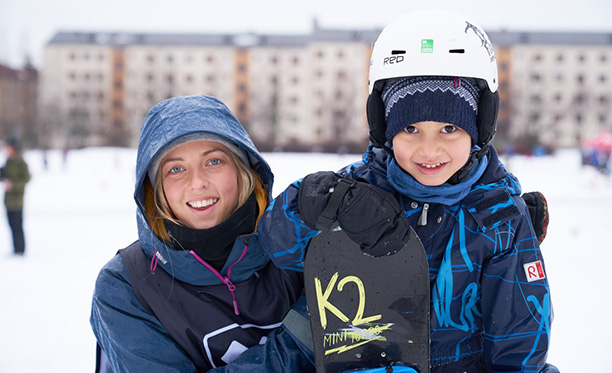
<point>432,113</point>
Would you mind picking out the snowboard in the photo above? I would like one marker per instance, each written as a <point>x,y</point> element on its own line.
<point>367,312</point>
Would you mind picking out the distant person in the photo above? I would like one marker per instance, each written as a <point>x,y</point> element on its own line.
<point>196,289</point>
<point>15,175</point>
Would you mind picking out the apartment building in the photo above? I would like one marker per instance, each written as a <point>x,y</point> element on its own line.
<point>558,88</point>
<point>289,91</point>
<point>18,99</point>
<point>307,91</point>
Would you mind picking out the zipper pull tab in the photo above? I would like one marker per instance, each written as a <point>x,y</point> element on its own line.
<point>423,217</point>
<point>231,288</point>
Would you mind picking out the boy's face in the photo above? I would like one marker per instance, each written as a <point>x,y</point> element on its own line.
<point>432,151</point>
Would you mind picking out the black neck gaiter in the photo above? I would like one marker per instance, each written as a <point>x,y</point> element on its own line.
<point>215,244</point>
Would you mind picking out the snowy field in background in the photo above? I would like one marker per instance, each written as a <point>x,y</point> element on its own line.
<point>79,213</point>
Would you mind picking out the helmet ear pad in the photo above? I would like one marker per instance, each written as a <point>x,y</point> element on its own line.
<point>375,111</point>
<point>488,108</point>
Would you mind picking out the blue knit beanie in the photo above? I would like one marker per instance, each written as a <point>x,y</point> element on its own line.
<point>431,98</point>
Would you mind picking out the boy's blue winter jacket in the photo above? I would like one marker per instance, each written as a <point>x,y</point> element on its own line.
<point>490,308</point>
<point>133,338</point>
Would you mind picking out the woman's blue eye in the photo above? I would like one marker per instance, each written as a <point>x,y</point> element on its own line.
<point>215,162</point>
<point>175,169</point>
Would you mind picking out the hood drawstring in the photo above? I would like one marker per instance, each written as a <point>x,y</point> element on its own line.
<point>226,280</point>
<point>154,260</point>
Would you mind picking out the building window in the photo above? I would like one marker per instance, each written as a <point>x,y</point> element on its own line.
<point>535,99</point>
<point>603,119</point>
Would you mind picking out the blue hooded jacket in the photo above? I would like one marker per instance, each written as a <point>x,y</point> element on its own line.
<point>490,304</point>
<point>137,337</point>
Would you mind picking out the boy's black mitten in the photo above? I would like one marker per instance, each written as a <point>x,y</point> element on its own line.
<point>538,211</point>
<point>368,215</point>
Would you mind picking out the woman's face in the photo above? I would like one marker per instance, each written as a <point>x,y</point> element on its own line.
<point>200,182</point>
<point>432,151</point>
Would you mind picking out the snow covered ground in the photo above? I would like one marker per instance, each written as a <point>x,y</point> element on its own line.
<point>79,212</point>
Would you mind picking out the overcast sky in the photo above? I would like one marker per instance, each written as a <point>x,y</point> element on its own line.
<point>27,25</point>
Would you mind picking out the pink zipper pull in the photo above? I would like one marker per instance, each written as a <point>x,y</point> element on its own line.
<point>231,288</point>
<point>226,280</point>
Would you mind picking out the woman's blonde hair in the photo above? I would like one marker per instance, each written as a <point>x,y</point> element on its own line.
<point>157,207</point>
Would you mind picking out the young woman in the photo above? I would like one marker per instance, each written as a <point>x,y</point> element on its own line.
<point>196,289</point>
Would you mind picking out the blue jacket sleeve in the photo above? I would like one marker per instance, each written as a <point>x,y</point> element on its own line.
<point>130,336</point>
<point>516,306</point>
<point>283,234</point>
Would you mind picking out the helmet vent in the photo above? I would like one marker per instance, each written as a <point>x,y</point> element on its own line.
<point>460,51</point>
<point>393,52</point>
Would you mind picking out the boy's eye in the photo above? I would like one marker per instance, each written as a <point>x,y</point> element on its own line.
<point>410,129</point>
<point>449,129</point>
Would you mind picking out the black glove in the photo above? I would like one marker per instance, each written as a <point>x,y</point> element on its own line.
<point>538,211</point>
<point>368,215</point>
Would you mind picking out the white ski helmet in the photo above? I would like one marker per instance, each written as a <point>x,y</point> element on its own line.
<point>434,42</point>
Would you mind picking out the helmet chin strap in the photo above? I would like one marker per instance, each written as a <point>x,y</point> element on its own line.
<point>465,170</point>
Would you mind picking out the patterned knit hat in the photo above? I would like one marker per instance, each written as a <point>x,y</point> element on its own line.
<point>431,98</point>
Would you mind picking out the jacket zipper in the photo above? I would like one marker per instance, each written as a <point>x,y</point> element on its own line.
<point>226,280</point>
<point>423,217</point>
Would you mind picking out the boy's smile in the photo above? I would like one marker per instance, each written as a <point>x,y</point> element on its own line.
<point>432,151</point>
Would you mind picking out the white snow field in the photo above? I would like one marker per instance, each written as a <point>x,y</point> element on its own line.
<point>80,212</point>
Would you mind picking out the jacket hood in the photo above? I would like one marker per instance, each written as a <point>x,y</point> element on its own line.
<point>166,122</point>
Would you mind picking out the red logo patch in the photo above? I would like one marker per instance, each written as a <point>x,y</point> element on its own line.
<point>534,271</point>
